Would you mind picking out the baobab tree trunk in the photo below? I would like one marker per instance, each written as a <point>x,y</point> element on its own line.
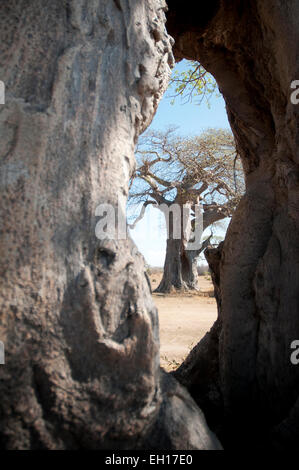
<point>241,373</point>
<point>83,79</point>
<point>180,265</point>
<point>190,268</point>
<point>172,272</point>
<point>180,268</point>
<point>180,271</point>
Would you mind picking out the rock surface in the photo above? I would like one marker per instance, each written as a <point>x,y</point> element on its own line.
<point>241,373</point>
<point>83,79</point>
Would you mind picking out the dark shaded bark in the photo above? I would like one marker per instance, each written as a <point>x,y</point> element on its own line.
<point>200,370</point>
<point>251,48</point>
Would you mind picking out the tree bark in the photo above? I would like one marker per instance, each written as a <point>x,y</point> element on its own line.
<point>83,79</point>
<point>172,272</point>
<point>180,266</point>
<point>251,48</point>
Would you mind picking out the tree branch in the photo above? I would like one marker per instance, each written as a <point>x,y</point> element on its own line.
<point>141,215</point>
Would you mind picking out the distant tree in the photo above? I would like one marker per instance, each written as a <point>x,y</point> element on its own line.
<point>186,171</point>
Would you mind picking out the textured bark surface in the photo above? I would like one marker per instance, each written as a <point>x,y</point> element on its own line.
<point>242,366</point>
<point>83,79</point>
<point>180,268</point>
<point>180,265</point>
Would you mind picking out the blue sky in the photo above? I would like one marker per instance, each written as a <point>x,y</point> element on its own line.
<point>191,118</point>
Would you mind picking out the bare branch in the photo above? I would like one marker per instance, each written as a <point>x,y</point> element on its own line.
<point>141,215</point>
<point>189,169</point>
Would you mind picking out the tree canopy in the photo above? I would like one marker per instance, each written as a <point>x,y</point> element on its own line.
<point>203,168</point>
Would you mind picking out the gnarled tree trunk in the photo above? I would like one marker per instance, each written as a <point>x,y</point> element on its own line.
<point>180,268</point>
<point>180,271</point>
<point>241,371</point>
<point>83,79</point>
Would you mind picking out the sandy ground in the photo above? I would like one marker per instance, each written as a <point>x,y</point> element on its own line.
<point>184,320</point>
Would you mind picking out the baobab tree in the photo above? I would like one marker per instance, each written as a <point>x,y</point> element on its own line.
<point>80,331</point>
<point>180,175</point>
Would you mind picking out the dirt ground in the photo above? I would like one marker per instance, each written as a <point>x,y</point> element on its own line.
<point>184,320</point>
